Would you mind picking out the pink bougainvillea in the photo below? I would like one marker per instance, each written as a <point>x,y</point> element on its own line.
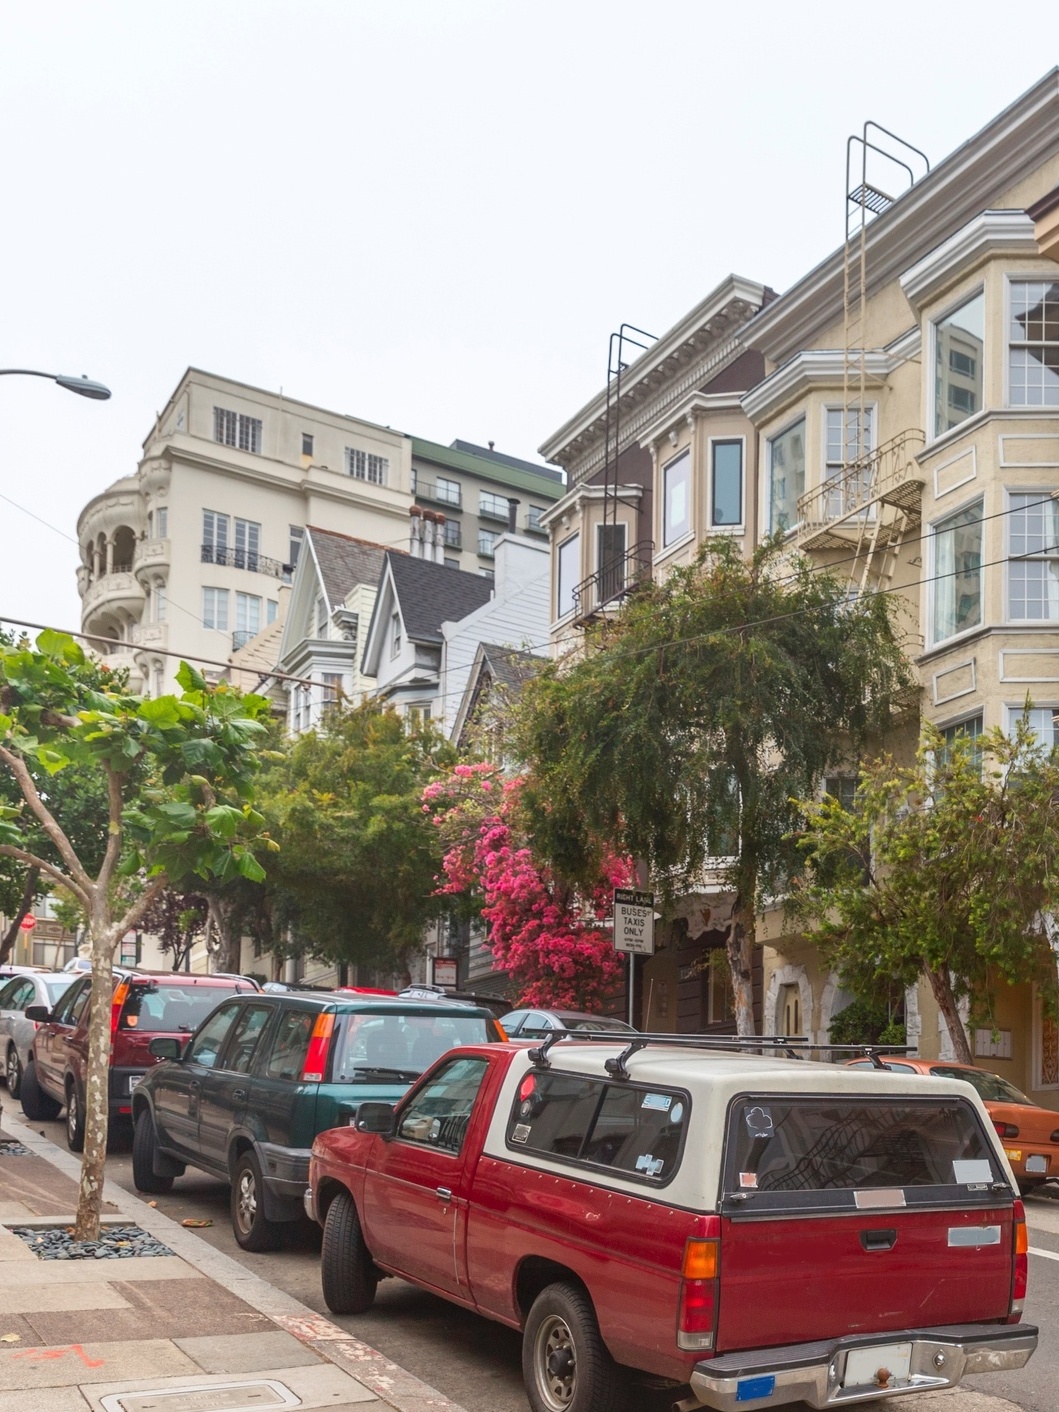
<point>549,938</point>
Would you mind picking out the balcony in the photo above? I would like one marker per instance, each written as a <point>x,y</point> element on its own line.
<point>146,636</point>
<point>453,537</point>
<point>437,494</point>
<point>849,506</point>
<point>609,586</point>
<point>493,507</point>
<point>240,637</point>
<point>118,590</point>
<point>487,544</point>
<point>247,559</point>
<point>152,556</point>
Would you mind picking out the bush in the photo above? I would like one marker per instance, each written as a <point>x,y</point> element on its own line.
<point>866,1022</point>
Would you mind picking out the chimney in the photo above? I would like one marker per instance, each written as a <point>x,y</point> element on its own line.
<point>512,512</point>
<point>415,532</point>
<point>491,445</point>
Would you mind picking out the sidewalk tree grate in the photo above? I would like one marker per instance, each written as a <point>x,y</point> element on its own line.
<point>114,1243</point>
<point>14,1149</point>
<point>261,1393</point>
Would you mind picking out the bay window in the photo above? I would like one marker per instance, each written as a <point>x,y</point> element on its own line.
<point>1033,565</point>
<point>726,494</point>
<point>569,565</point>
<point>786,476</point>
<point>1033,344</point>
<point>958,572</point>
<point>676,499</point>
<point>958,375</point>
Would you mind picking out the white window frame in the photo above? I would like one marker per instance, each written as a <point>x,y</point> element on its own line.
<point>932,585</point>
<point>1013,712</point>
<point>448,492</point>
<point>684,454</point>
<point>492,504</point>
<point>711,442</point>
<point>1013,277</point>
<point>872,411</point>
<point>212,539</point>
<point>161,602</point>
<point>560,614</point>
<point>395,635</point>
<point>1009,519</point>
<point>161,521</point>
<point>766,499</point>
<point>247,430</point>
<point>247,613</point>
<point>218,601</point>
<point>931,363</point>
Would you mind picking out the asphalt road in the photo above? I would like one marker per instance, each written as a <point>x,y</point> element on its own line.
<point>478,1363</point>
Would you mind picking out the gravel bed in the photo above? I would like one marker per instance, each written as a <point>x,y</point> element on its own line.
<point>114,1243</point>
<point>14,1149</point>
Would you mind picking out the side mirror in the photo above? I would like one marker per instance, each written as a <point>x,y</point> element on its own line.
<point>164,1046</point>
<point>40,1014</point>
<point>374,1118</point>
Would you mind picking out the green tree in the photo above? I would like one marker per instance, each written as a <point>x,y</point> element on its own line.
<point>353,880</point>
<point>177,919</point>
<point>176,774</point>
<point>687,728</point>
<point>946,869</point>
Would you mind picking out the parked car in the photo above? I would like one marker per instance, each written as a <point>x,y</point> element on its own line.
<point>16,1032</point>
<point>265,1074</point>
<point>143,1004</point>
<point>768,1230</point>
<point>495,1004</point>
<point>1030,1133</point>
<point>536,1024</point>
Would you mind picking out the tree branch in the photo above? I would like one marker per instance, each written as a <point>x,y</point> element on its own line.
<point>65,848</point>
<point>8,850</point>
<point>114,834</point>
<point>140,906</point>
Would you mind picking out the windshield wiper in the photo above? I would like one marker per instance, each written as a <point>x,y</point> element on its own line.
<point>405,1075</point>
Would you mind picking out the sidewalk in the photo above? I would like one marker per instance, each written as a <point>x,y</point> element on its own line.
<point>193,1331</point>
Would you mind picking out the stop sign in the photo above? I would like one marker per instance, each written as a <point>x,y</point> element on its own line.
<point>28,922</point>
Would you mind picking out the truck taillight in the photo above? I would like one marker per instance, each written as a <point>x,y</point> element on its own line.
<point>1020,1274</point>
<point>120,993</point>
<point>1006,1130</point>
<point>316,1055</point>
<point>699,1273</point>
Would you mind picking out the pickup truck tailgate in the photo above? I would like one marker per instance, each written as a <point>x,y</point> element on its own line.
<point>863,1214</point>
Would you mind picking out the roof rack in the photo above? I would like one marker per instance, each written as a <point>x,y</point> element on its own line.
<point>791,1046</point>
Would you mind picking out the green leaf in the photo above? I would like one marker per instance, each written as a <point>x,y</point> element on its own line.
<point>60,645</point>
<point>250,868</point>
<point>224,820</point>
<point>190,680</point>
<point>161,711</point>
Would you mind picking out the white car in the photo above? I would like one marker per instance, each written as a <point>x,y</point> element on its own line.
<point>16,1032</point>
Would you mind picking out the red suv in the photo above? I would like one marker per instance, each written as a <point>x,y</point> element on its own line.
<point>144,1004</point>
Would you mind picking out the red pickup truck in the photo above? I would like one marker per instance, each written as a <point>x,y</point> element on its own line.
<point>763,1229</point>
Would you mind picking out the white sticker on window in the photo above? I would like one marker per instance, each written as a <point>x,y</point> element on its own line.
<point>651,1165</point>
<point>677,1115</point>
<point>978,1170</point>
<point>521,1132</point>
<point>661,1101</point>
<point>748,1179</point>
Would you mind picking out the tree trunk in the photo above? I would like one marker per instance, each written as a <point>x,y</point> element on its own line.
<point>740,949</point>
<point>95,1101</point>
<point>229,951</point>
<point>941,985</point>
<point>28,894</point>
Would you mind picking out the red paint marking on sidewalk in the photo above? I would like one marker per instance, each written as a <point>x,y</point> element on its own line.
<point>44,1355</point>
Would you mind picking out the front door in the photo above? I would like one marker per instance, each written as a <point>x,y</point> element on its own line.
<point>176,1088</point>
<point>51,1044</point>
<point>225,1088</point>
<point>416,1182</point>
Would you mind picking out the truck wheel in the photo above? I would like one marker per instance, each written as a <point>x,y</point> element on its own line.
<point>13,1071</point>
<point>36,1104</point>
<point>347,1274</point>
<point>565,1363</point>
<point>253,1230</point>
<point>75,1116</point>
<point>144,1147</point>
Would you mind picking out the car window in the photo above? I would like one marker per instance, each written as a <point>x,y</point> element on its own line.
<point>209,1041</point>
<point>77,992</point>
<point>598,1026</point>
<point>239,1054</point>
<point>991,1087</point>
<point>892,1065</point>
<point>57,986</point>
<point>290,1044</point>
<point>439,1113</point>
<point>18,995</point>
<point>513,1023</point>
<point>9,989</point>
<point>535,1025</point>
<point>79,1005</point>
<point>162,1007</point>
<point>372,1045</point>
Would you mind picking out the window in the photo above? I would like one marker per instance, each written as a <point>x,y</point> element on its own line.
<point>214,537</point>
<point>720,994</point>
<point>844,789</point>
<point>332,687</point>
<point>307,443</point>
<point>73,1002</point>
<point>215,608</point>
<point>849,440</point>
<point>247,544</point>
<point>958,340</point>
<point>569,566</point>
<point>726,495</point>
<point>294,545</point>
<point>487,543</point>
<point>164,1008</point>
<point>395,634</point>
<point>1033,566</point>
<point>789,1010</point>
<point>247,618</point>
<point>161,603</point>
<point>447,491</point>
<point>271,609</point>
<point>419,714</point>
<point>632,1130</point>
<point>235,429</point>
<point>610,561</point>
<point>245,1036</point>
<point>971,730</point>
<point>205,1048</point>
<point>321,616</point>
<point>452,563</point>
<point>161,520</point>
<point>493,505</point>
<point>18,994</point>
<point>366,1042</point>
<point>440,1113</point>
<point>786,476</point>
<point>1043,721</point>
<point>1033,344</point>
<point>676,499</point>
<point>363,465</point>
<point>452,534</point>
<point>534,520</point>
<point>958,572</point>
<point>290,1044</point>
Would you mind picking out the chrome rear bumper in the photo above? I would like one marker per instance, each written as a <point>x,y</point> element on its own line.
<point>815,1372</point>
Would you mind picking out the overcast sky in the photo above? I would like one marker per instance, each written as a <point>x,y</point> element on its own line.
<point>429,213</point>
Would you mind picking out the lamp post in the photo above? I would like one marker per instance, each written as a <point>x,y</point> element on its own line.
<point>83,386</point>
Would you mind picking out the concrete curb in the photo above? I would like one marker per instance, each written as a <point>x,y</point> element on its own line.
<point>391,1383</point>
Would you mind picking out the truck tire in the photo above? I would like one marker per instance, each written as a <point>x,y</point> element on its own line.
<point>36,1104</point>
<point>252,1228</point>
<point>144,1147</point>
<point>347,1273</point>
<point>75,1116</point>
<point>565,1363</point>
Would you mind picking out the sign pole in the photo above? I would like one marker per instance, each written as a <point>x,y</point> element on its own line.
<point>634,932</point>
<point>632,987</point>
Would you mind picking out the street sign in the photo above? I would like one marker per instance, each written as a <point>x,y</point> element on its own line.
<point>27,923</point>
<point>634,922</point>
<point>443,970</point>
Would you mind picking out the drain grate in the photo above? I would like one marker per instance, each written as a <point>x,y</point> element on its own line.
<point>255,1396</point>
<point>14,1149</point>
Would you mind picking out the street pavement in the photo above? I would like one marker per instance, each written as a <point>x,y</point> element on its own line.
<point>472,1362</point>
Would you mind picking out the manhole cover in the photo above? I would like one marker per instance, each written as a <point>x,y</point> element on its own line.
<point>204,1397</point>
<point>14,1149</point>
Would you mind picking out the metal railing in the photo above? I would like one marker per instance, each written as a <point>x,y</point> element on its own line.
<point>889,473</point>
<point>614,579</point>
<point>244,559</point>
<point>440,494</point>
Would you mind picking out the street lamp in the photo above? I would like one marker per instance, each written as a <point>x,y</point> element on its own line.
<point>83,386</point>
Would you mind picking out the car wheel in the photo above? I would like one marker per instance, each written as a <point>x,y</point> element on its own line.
<point>13,1071</point>
<point>75,1116</point>
<point>36,1104</point>
<point>348,1275</point>
<point>253,1230</point>
<point>565,1363</point>
<point>144,1147</point>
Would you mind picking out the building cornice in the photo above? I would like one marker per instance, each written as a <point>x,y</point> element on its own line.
<point>626,495</point>
<point>814,368</point>
<point>991,233</point>
<point>695,403</point>
<point>1012,145</point>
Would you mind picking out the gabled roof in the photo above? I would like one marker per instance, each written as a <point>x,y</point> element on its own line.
<point>430,594</point>
<point>344,561</point>
<point>506,667</point>
<point>490,465</point>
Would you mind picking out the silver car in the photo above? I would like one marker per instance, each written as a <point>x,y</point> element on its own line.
<point>16,1032</point>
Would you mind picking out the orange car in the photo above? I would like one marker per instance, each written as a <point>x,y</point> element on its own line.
<point>1030,1134</point>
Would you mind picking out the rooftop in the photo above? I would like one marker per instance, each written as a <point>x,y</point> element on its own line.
<point>431,594</point>
<point>491,465</point>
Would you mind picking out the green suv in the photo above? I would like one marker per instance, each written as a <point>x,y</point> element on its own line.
<point>244,1098</point>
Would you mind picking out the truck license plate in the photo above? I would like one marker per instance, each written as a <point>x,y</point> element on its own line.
<point>1036,1164</point>
<point>865,1366</point>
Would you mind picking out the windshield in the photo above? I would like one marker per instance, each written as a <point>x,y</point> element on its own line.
<point>400,1047</point>
<point>172,1009</point>
<point>991,1087</point>
<point>55,985</point>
